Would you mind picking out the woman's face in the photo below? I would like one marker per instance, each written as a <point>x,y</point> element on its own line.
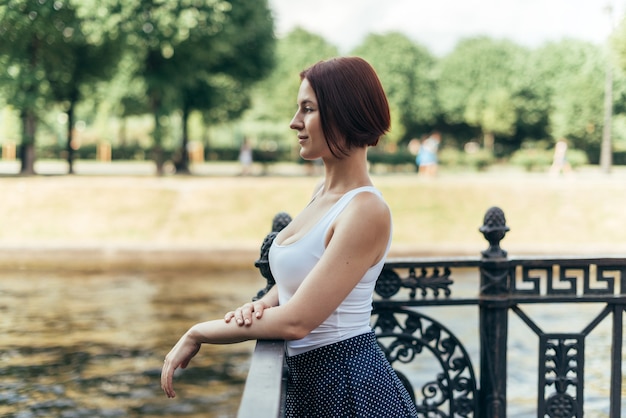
<point>308,124</point>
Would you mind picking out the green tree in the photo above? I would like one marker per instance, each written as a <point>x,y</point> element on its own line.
<point>30,32</point>
<point>406,72</point>
<point>493,111</point>
<point>571,73</point>
<point>190,55</point>
<point>275,96</point>
<point>479,85</point>
<point>56,50</point>
<point>90,54</point>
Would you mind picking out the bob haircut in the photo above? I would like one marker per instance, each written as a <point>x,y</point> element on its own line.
<point>354,111</point>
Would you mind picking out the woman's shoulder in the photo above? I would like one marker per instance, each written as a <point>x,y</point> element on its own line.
<point>368,203</point>
<point>366,220</point>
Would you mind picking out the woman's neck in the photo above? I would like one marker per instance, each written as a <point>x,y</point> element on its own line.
<point>342,175</point>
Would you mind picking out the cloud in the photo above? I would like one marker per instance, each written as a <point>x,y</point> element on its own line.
<point>438,25</point>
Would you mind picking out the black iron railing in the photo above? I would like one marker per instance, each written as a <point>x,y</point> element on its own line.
<point>409,290</point>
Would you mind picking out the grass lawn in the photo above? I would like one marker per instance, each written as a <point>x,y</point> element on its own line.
<point>582,213</point>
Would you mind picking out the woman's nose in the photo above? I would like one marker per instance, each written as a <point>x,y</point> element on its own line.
<point>296,122</point>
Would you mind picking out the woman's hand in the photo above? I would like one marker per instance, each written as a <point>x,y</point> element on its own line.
<point>179,356</point>
<point>244,314</point>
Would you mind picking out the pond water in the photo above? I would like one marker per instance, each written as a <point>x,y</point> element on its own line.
<point>91,344</point>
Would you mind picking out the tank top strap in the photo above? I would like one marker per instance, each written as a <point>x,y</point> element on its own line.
<point>349,195</point>
<point>341,204</point>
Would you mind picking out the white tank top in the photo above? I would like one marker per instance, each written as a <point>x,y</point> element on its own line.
<point>290,264</point>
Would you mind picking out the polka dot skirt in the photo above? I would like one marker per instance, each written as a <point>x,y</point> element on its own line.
<point>351,378</point>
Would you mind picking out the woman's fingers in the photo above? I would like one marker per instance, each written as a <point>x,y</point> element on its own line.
<point>180,356</point>
<point>167,375</point>
<point>229,315</point>
<point>244,314</point>
<point>259,307</point>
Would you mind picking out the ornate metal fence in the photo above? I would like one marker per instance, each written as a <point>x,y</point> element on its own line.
<point>408,287</point>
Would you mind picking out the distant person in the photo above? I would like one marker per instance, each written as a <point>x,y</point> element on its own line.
<point>559,161</point>
<point>325,262</point>
<point>427,155</point>
<point>245,157</point>
<point>414,148</point>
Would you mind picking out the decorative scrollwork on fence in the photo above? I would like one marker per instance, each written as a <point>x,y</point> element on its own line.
<point>437,280</point>
<point>404,334</point>
<point>562,366</point>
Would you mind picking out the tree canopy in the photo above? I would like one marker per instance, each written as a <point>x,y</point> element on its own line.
<point>198,56</point>
<point>185,54</point>
<point>57,50</point>
<point>406,72</point>
<point>219,61</point>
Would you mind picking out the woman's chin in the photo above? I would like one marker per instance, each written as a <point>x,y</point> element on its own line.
<point>305,156</point>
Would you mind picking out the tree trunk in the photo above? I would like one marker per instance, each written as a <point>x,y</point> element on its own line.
<point>121,131</point>
<point>489,141</point>
<point>70,148</point>
<point>182,163</point>
<point>27,148</point>
<point>157,152</point>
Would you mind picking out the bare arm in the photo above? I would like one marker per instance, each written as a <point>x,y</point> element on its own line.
<point>243,315</point>
<point>358,240</point>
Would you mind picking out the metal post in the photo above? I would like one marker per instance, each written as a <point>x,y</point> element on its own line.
<point>616,360</point>
<point>494,305</point>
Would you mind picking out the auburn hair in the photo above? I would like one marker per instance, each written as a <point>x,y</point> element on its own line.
<point>354,111</point>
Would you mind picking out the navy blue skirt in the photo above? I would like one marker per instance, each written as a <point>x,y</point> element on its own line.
<point>351,378</point>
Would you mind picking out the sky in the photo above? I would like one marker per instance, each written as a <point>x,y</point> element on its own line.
<point>439,24</point>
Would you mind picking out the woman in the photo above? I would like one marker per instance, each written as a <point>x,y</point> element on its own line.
<point>325,262</point>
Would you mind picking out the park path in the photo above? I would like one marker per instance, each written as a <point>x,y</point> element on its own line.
<point>66,244</point>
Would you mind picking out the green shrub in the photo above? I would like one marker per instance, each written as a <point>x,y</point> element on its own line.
<point>477,160</point>
<point>619,157</point>
<point>399,157</point>
<point>532,158</point>
<point>224,154</point>
<point>539,158</point>
<point>577,158</point>
<point>451,157</point>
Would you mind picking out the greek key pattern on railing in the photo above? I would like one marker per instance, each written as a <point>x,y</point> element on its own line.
<point>404,334</point>
<point>567,279</point>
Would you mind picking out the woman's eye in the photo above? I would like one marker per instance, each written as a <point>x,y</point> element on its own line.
<point>308,109</point>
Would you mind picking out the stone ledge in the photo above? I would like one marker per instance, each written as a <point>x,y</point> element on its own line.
<point>126,258</point>
<point>159,258</point>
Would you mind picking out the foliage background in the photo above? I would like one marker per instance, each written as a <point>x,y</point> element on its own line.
<point>152,75</point>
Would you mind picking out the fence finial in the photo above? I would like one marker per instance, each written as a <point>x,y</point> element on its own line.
<point>494,229</point>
